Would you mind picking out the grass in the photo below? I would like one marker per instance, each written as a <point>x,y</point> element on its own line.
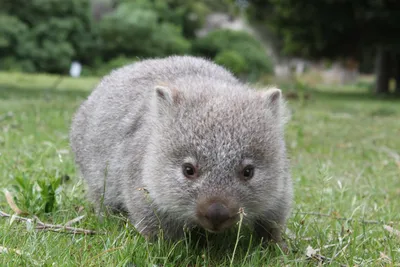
<point>344,146</point>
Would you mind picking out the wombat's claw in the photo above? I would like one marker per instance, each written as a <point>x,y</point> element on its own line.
<point>284,247</point>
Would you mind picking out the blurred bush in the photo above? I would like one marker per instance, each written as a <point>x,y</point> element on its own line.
<point>135,29</point>
<point>141,28</point>
<point>243,44</point>
<point>101,68</point>
<point>46,35</point>
<point>231,60</point>
<point>190,14</point>
<point>12,34</point>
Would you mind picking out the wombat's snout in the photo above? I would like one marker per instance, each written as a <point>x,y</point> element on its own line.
<point>217,214</point>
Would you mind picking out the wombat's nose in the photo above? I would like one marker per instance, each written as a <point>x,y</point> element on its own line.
<point>217,214</point>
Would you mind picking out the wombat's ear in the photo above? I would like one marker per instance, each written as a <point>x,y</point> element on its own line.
<point>165,97</point>
<point>164,93</point>
<point>274,102</point>
<point>273,96</point>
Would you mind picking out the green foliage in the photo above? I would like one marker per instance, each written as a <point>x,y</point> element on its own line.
<point>46,45</point>
<point>134,29</point>
<point>46,35</point>
<point>12,64</point>
<point>329,29</point>
<point>103,68</point>
<point>11,31</point>
<point>167,40</point>
<point>190,14</point>
<point>37,196</point>
<point>251,50</point>
<point>231,60</point>
<point>319,31</point>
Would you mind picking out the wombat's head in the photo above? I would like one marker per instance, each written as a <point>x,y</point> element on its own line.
<point>212,152</point>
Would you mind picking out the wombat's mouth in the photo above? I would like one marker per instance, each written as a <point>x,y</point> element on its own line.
<point>217,214</point>
<point>217,228</point>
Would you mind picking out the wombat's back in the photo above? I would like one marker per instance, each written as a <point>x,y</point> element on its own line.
<point>118,106</point>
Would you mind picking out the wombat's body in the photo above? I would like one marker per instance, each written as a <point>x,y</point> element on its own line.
<point>180,142</point>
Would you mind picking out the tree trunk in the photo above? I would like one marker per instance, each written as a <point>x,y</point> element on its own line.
<point>382,67</point>
<point>397,74</point>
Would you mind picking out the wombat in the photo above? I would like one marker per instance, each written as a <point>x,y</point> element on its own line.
<point>179,142</point>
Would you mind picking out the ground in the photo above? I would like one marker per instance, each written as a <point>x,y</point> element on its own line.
<point>344,147</point>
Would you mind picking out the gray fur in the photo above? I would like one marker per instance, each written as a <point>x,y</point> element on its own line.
<point>144,120</point>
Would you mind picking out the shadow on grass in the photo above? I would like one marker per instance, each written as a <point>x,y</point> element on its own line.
<point>219,249</point>
<point>15,92</point>
<point>357,92</point>
<point>197,247</point>
<point>352,96</point>
<point>344,99</point>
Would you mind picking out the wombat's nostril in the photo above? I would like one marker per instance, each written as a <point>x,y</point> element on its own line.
<point>217,214</point>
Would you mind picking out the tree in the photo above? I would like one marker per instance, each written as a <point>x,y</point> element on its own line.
<point>237,50</point>
<point>141,29</point>
<point>336,30</point>
<point>48,34</point>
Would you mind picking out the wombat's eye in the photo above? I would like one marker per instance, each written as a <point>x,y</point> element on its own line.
<point>189,170</point>
<point>248,172</point>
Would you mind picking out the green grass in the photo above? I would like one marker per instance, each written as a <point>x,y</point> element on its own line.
<point>344,146</point>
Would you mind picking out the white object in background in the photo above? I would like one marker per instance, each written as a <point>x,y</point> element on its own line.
<point>75,70</point>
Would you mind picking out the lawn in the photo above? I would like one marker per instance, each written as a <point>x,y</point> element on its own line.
<point>344,147</point>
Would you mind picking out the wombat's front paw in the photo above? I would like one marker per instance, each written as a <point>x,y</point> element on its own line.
<point>271,233</point>
<point>284,247</point>
<point>152,234</point>
<point>149,232</point>
<point>149,236</point>
<point>277,240</point>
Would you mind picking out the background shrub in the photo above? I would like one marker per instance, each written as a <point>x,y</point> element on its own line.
<point>46,35</point>
<point>103,68</point>
<point>250,49</point>
<point>135,29</point>
<point>231,60</point>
